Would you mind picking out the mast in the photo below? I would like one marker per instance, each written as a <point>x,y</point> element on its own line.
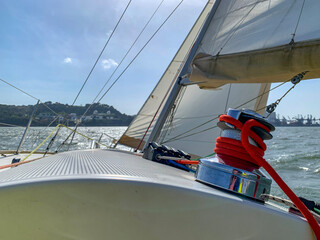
<point>178,84</point>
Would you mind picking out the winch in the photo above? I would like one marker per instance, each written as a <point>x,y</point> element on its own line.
<point>233,168</point>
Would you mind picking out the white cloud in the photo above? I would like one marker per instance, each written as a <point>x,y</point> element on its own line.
<point>67,60</point>
<point>109,33</point>
<point>109,63</point>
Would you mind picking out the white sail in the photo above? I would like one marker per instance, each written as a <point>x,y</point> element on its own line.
<point>153,106</point>
<point>247,45</point>
<point>193,126</point>
<point>259,41</point>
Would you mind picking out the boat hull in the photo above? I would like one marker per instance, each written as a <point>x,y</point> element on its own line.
<point>140,200</point>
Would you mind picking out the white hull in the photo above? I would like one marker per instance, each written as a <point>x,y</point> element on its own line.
<point>100,194</point>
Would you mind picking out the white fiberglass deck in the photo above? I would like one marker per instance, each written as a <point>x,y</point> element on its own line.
<point>100,194</point>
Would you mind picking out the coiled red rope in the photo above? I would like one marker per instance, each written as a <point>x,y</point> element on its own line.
<point>252,156</point>
<point>232,151</point>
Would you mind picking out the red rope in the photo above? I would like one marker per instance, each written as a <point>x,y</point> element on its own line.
<point>186,161</point>
<point>232,152</point>
<point>263,163</point>
<point>253,155</point>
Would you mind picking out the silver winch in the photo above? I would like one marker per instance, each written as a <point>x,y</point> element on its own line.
<point>248,182</point>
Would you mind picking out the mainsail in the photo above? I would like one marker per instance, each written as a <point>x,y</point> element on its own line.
<point>254,41</point>
<point>247,45</point>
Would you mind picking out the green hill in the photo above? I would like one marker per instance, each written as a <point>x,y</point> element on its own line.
<point>98,115</point>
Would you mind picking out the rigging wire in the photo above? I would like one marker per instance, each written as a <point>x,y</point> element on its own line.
<point>265,92</point>
<point>19,89</point>
<point>52,141</point>
<point>39,132</point>
<point>129,50</point>
<point>58,115</point>
<point>104,47</point>
<point>10,125</point>
<point>116,80</point>
<point>28,94</point>
<point>168,91</point>
<point>295,30</point>
<point>181,136</point>
<point>93,67</point>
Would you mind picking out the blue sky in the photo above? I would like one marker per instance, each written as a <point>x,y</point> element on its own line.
<point>48,47</point>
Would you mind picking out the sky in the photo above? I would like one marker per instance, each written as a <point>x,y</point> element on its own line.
<point>47,48</point>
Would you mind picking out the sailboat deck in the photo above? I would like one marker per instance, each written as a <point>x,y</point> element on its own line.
<point>98,164</point>
<point>129,198</point>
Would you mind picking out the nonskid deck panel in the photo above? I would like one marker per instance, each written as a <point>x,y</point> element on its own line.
<point>93,164</point>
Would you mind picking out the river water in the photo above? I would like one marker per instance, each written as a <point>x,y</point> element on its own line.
<point>294,152</point>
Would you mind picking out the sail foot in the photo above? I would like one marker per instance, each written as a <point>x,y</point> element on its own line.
<point>131,142</point>
<point>276,64</point>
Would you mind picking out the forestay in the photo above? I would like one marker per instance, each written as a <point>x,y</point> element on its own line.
<point>153,106</point>
<point>259,41</point>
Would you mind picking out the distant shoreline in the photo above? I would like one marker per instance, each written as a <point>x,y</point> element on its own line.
<point>297,126</point>
<point>96,115</point>
<point>68,126</point>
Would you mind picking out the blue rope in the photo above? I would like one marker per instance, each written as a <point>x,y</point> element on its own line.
<point>181,166</point>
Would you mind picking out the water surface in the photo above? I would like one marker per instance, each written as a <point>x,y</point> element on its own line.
<point>294,152</point>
